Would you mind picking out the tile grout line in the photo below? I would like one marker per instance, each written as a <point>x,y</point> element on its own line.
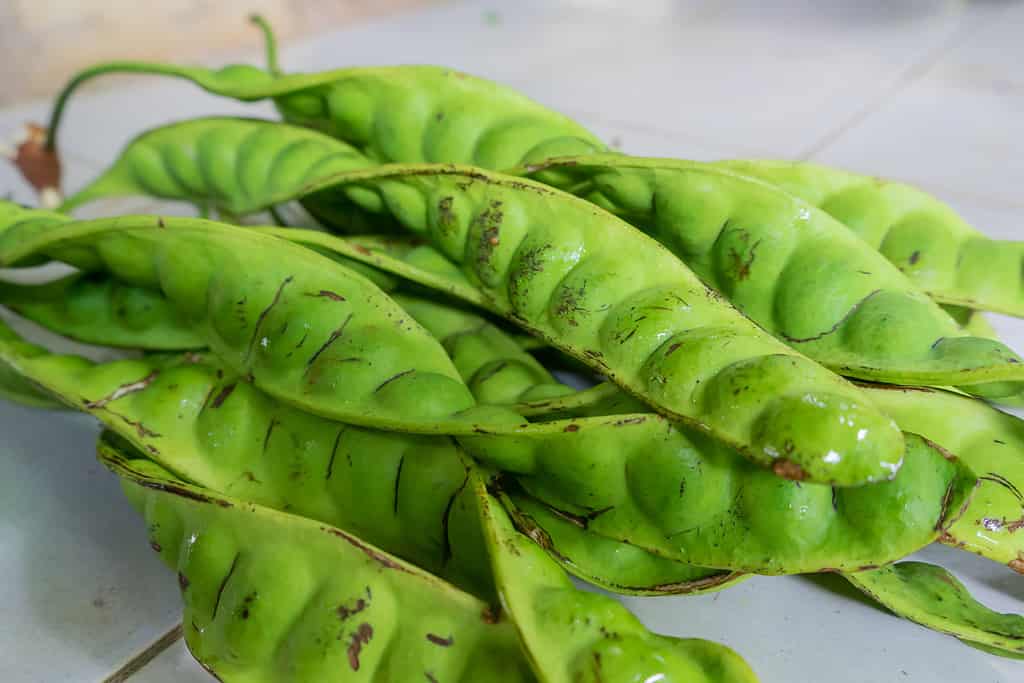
<point>910,75</point>
<point>140,660</point>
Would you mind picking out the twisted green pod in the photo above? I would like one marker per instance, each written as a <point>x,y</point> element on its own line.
<point>614,566</point>
<point>796,271</point>
<point>404,493</point>
<point>493,366</point>
<point>643,480</point>
<point>572,635</point>
<point>920,235</point>
<point>991,443</point>
<point>935,599</point>
<point>271,596</point>
<point>351,355</point>
<point>396,113</point>
<point>619,302</point>
<point>96,309</point>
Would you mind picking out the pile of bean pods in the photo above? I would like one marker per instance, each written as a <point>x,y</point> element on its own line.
<point>344,429</point>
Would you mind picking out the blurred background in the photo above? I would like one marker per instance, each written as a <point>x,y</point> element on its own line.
<point>42,41</point>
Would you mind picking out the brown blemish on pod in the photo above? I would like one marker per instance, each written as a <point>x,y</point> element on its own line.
<point>787,469</point>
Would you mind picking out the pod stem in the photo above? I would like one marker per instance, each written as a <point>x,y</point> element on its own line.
<point>269,41</point>
<point>99,70</point>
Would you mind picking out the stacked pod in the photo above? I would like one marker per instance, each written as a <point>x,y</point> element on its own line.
<point>382,398</point>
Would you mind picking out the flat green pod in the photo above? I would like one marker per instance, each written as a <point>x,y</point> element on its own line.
<point>406,257</point>
<point>494,367</point>
<point>223,163</point>
<point>991,443</point>
<point>94,308</point>
<point>574,636</point>
<point>644,480</point>
<point>922,236</point>
<point>405,493</point>
<point>612,565</point>
<point>306,330</point>
<point>389,113</point>
<point>271,596</point>
<point>796,271</point>
<point>934,598</point>
<point>621,303</point>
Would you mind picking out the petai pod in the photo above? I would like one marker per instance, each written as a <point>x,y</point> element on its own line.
<point>621,303</point>
<point>271,596</point>
<point>389,113</point>
<point>96,309</point>
<point>405,493</point>
<point>922,236</point>
<point>221,163</point>
<point>16,387</point>
<point>305,329</point>
<point>493,366</point>
<point>407,258</point>
<point>575,636</point>
<point>991,443</point>
<point>932,597</point>
<point>612,565</point>
<point>796,271</point>
<point>643,480</point>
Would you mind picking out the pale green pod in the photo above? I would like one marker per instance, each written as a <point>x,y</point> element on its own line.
<point>270,596</point>
<point>573,636</point>
<point>919,234</point>
<point>991,443</point>
<point>932,597</point>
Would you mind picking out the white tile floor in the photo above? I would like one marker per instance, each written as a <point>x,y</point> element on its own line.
<point>928,91</point>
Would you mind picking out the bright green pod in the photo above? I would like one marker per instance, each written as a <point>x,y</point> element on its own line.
<point>271,596</point>
<point>491,364</point>
<point>574,636</point>
<point>934,598</point>
<point>796,271</point>
<point>991,443</point>
<point>390,113</point>
<point>644,480</point>
<point>622,304</point>
<point>222,163</point>
<point>403,492</point>
<point>402,256</point>
<point>305,329</point>
<point>922,236</point>
<point>612,565</point>
<point>17,389</point>
<point>95,309</point>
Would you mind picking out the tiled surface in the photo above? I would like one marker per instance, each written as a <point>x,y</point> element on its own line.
<point>81,591</point>
<point>923,90</point>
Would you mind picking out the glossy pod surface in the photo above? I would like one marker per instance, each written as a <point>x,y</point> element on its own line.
<point>797,272</point>
<point>271,596</point>
<point>621,303</point>
<point>493,366</point>
<point>307,330</point>
<point>932,597</point>
<point>404,493</point>
<point>643,480</point>
<point>574,636</point>
<point>612,565</point>
<point>988,441</point>
<point>922,236</point>
<point>96,309</point>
